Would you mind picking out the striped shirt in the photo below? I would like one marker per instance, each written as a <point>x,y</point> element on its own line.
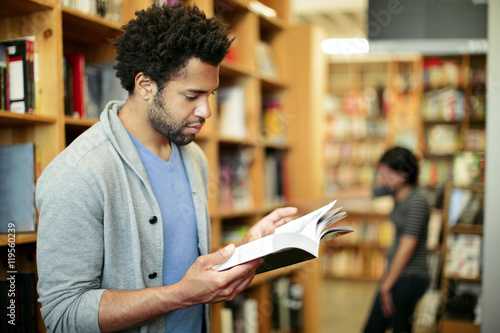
<point>410,217</point>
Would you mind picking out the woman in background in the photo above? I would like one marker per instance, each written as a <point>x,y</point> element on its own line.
<point>406,277</point>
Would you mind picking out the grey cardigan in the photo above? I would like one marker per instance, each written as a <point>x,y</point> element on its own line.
<point>97,226</point>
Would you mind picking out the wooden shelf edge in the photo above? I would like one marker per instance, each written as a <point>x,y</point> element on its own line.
<point>8,118</point>
<point>467,229</point>
<point>20,238</point>
<point>20,7</point>
<point>68,120</point>
<point>351,277</point>
<point>92,18</point>
<point>268,276</point>
<point>456,278</point>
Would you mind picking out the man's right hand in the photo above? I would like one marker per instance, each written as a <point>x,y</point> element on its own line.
<point>203,284</point>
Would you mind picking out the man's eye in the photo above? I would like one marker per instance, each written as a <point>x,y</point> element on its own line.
<point>191,98</point>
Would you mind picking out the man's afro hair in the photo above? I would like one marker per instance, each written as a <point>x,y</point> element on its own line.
<point>161,39</point>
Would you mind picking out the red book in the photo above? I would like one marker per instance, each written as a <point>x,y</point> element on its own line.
<point>77,63</point>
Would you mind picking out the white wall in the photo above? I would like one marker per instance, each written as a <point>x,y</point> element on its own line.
<point>491,273</point>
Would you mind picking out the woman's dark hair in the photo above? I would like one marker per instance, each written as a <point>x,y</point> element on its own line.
<point>161,39</point>
<point>403,161</point>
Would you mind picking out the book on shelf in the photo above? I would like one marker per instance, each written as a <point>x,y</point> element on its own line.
<point>464,256</point>
<point>4,60</point>
<point>113,10</point>
<point>265,60</point>
<point>232,122</point>
<point>20,80</point>
<point>446,104</point>
<point>468,168</point>
<point>102,86</point>
<point>291,243</point>
<point>76,89</point>
<point>475,140</point>
<point>108,9</point>
<point>463,303</point>
<point>440,72</point>
<point>465,207</point>
<point>18,173</point>
<point>235,182</point>
<point>274,121</point>
<point>275,181</point>
<point>287,305</point>
<point>442,139</point>
<point>241,315</point>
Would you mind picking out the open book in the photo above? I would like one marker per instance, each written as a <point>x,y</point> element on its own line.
<point>293,242</point>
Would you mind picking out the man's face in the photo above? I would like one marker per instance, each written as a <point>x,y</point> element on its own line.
<point>179,111</point>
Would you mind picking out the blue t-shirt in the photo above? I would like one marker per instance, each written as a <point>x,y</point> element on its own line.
<point>180,238</point>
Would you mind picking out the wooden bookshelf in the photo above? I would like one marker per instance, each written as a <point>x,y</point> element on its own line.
<point>450,278</point>
<point>60,30</point>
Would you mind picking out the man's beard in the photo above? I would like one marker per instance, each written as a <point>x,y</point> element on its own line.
<point>162,120</point>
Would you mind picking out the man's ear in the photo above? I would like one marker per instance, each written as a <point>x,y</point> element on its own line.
<point>144,86</point>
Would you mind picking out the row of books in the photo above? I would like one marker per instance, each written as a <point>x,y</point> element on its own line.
<point>464,301</point>
<point>434,173</point>
<point>354,152</point>
<point>371,101</point>
<point>18,302</point>
<point>88,88</point>
<point>445,104</point>
<point>19,170</point>
<point>445,139</point>
<point>19,90</point>
<point>108,9</point>
<point>347,175</point>
<point>275,178</point>
<point>466,168</point>
<point>347,127</point>
<point>367,232</point>
<point>443,72</point>
<point>354,263</point>
<point>442,139</point>
<point>464,256</point>
<point>477,106</point>
<point>235,188</point>
<point>274,122</point>
<point>284,309</point>
<point>233,115</point>
<point>465,207</point>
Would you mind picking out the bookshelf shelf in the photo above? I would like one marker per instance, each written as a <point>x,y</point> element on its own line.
<point>8,118</point>
<point>22,7</point>
<point>467,229</point>
<point>70,121</point>
<point>268,276</point>
<point>88,29</point>
<point>21,238</point>
<point>272,84</point>
<point>458,326</point>
<point>272,23</point>
<point>457,278</point>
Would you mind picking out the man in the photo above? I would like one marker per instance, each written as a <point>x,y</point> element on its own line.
<point>123,236</point>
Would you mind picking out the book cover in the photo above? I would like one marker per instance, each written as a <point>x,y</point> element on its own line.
<point>265,60</point>
<point>102,86</point>
<point>232,121</point>
<point>17,187</point>
<point>468,168</point>
<point>294,242</point>
<point>76,70</point>
<point>19,68</point>
<point>3,77</point>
